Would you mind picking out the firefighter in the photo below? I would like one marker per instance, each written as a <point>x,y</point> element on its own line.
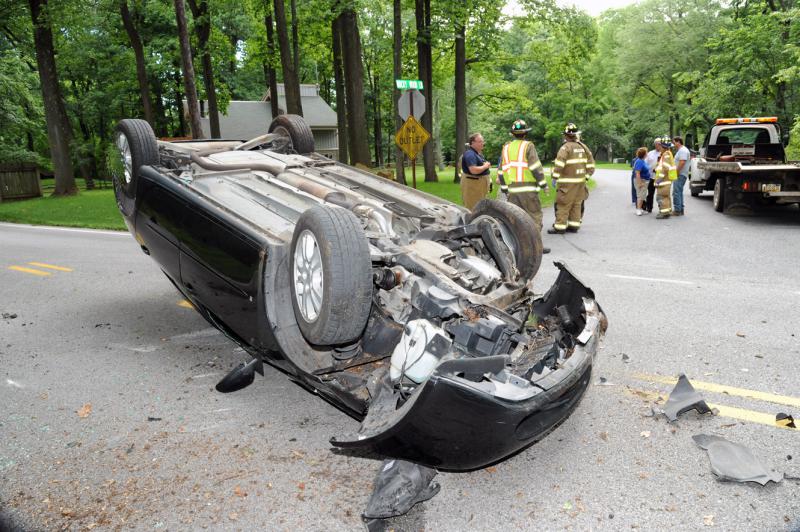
<point>573,164</point>
<point>521,175</point>
<point>666,173</point>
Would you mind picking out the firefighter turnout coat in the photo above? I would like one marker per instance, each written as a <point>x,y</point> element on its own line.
<point>521,171</point>
<point>573,165</point>
<point>666,173</point>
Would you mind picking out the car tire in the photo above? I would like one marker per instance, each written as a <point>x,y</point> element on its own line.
<point>331,276</point>
<point>719,195</point>
<point>525,241</point>
<point>137,146</point>
<point>296,128</point>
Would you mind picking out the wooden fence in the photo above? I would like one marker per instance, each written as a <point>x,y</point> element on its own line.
<point>19,181</point>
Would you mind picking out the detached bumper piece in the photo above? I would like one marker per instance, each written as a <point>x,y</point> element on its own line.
<point>398,486</point>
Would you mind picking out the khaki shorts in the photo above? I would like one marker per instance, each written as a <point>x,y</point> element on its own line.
<point>641,190</point>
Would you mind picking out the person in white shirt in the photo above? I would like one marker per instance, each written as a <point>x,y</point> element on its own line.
<point>682,156</point>
<point>651,159</point>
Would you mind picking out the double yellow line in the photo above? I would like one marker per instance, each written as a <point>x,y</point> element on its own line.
<point>40,273</point>
<point>741,414</point>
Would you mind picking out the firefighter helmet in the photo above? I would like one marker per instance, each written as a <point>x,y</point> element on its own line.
<point>571,130</point>
<point>519,127</point>
<point>666,142</point>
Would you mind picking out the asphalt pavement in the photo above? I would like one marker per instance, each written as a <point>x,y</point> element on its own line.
<point>110,419</point>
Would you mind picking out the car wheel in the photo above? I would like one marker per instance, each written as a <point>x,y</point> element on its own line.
<point>331,276</point>
<point>136,146</point>
<point>296,128</point>
<point>719,195</point>
<point>517,230</point>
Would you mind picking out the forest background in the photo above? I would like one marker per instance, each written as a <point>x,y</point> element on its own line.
<point>70,69</point>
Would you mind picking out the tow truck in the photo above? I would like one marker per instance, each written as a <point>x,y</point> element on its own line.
<point>743,161</point>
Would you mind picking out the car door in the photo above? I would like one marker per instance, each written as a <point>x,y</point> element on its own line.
<point>220,266</point>
<point>159,219</point>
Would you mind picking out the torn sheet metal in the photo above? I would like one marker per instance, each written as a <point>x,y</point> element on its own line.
<point>398,487</point>
<point>684,398</point>
<point>735,462</point>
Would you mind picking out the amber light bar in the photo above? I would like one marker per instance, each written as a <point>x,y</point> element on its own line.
<point>757,120</point>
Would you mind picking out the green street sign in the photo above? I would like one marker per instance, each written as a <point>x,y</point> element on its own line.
<point>404,84</point>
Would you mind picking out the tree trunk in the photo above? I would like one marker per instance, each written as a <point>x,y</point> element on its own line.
<point>460,87</point>
<point>59,130</point>
<point>295,38</point>
<point>424,64</point>
<point>188,72</point>
<point>377,128</point>
<point>338,75</point>
<point>354,89</point>
<point>399,171</point>
<point>138,52</point>
<point>291,83</point>
<point>202,24</point>
<point>270,65</point>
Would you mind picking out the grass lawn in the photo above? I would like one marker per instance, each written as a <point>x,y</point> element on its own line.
<point>97,209</point>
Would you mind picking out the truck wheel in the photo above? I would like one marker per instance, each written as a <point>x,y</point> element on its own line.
<point>719,195</point>
<point>296,128</point>
<point>517,231</point>
<point>331,281</point>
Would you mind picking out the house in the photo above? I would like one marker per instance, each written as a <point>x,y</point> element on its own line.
<point>248,119</point>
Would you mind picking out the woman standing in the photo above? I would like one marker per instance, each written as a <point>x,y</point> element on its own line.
<point>641,179</point>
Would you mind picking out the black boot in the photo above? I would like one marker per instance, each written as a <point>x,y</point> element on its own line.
<point>554,231</point>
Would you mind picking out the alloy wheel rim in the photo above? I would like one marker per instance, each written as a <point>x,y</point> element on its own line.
<point>126,157</point>
<point>308,276</point>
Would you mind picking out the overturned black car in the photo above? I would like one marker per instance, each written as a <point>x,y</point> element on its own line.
<point>405,311</point>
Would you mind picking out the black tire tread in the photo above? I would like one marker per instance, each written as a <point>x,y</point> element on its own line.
<point>521,226</point>
<point>301,135</point>
<point>347,292</point>
<point>143,145</point>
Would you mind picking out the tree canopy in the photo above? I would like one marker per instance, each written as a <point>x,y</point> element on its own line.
<point>631,74</point>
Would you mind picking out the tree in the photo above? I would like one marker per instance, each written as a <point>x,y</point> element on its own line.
<point>141,69</point>
<point>460,85</point>
<point>202,26</point>
<point>338,74</point>
<point>291,80</point>
<point>357,133</point>
<point>425,65</point>
<point>397,55</point>
<point>188,72</point>
<point>59,131</point>
<point>269,63</point>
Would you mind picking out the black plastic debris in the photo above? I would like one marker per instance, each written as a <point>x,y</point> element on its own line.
<point>734,462</point>
<point>397,488</point>
<point>785,420</point>
<point>684,398</point>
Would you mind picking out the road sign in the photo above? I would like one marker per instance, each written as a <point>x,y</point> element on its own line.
<point>404,84</point>
<point>408,101</point>
<point>412,137</point>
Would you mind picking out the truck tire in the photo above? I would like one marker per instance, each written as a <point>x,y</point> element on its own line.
<point>331,276</point>
<point>296,128</point>
<point>719,195</point>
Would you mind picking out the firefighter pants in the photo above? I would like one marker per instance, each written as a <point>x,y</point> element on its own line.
<point>664,199</point>
<point>569,199</point>
<point>530,203</point>
<point>473,189</point>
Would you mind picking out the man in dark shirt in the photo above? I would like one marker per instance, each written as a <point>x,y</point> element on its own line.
<point>475,182</point>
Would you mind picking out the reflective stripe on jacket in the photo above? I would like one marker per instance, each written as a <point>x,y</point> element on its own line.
<point>520,162</point>
<point>666,170</point>
<point>573,163</point>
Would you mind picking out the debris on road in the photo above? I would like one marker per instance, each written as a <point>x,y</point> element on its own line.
<point>735,462</point>
<point>785,420</point>
<point>85,410</point>
<point>684,398</point>
<point>397,488</point>
<point>9,316</point>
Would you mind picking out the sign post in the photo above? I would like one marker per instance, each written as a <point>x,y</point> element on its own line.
<point>411,136</point>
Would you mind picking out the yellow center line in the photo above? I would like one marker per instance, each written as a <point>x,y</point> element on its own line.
<point>185,304</point>
<point>732,412</point>
<point>29,270</point>
<point>50,266</point>
<point>729,390</point>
